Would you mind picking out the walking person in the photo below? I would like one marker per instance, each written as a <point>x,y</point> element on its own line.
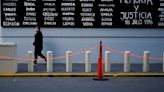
<point>38,44</point>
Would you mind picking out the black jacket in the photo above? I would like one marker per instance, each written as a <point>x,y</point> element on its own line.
<point>38,42</point>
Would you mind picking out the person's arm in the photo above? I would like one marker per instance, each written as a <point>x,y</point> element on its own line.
<point>34,43</point>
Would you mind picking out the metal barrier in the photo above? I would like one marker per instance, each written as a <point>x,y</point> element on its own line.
<point>88,61</point>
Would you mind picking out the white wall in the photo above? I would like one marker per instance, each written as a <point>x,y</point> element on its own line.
<point>60,40</point>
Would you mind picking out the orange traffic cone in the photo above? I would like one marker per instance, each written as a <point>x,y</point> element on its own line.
<point>100,67</point>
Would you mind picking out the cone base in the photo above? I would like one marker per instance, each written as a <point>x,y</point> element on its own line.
<point>100,79</point>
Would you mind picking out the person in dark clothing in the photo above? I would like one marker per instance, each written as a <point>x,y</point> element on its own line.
<point>38,44</point>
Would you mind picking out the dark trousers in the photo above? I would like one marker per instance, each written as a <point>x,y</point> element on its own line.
<point>38,53</point>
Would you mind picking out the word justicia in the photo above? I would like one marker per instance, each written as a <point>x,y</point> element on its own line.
<point>136,15</point>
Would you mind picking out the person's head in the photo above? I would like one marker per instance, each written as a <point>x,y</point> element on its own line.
<point>37,29</point>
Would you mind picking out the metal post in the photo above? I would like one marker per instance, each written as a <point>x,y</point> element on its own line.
<point>146,61</point>
<point>107,61</point>
<point>49,61</point>
<point>30,62</point>
<point>126,61</point>
<point>88,61</point>
<point>68,61</point>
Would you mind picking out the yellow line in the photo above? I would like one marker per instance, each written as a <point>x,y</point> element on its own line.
<point>83,75</point>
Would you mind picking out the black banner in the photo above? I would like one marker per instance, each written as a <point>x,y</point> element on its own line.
<point>83,13</point>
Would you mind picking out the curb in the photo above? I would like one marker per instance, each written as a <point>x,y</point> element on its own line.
<point>82,75</point>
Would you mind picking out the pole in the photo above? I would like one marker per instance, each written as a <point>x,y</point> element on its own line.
<point>88,61</point>
<point>126,62</point>
<point>30,62</point>
<point>68,61</point>
<point>107,61</point>
<point>146,61</point>
<point>49,61</point>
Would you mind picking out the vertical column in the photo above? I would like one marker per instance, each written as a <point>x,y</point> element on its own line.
<point>107,61</point>
<point>68,61</point>
<point>146,61</point>
<point>8,65</point>
<point>30,62</point>
<point>126,61</point>
<point>49,61</point>
<point>88,61</point>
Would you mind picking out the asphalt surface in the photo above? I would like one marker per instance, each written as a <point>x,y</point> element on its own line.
<point>74,84</point>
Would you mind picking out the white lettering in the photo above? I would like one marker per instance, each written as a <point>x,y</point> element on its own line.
<point>87,24</point>
<point>86,4</point>
<point>87,19</point>
<point>147,2</point>
<point>136,15</point>
<point>68,23</point>
<point>136,7</point>
<point>68,4</point>
<point>9,9</point>
<point>28,4</point>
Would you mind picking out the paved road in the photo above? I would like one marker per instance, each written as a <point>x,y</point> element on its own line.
<point>74,84</point>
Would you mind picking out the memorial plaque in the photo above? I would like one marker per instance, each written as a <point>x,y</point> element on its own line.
<point>83,13</point>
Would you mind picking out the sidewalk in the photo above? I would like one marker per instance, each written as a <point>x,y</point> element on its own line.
<point>78,71</point>
<point>80,68</point>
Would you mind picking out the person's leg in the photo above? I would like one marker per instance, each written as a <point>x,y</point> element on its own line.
<point>36,56</point>
<point>41,55</point>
